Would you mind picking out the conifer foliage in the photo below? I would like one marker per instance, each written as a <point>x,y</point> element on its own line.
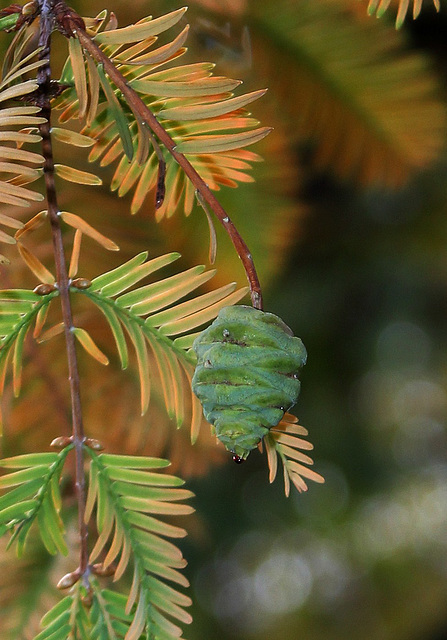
<point>175,132</point>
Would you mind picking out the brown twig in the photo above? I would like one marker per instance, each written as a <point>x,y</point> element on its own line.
<point>47,23</point>
<point>141,111</point>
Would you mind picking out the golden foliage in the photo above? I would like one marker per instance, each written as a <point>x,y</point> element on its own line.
<point>283,442</point>
<point>375,115</point>
<point>193,105</point>
<point>369,108</point>
<point>14,161</point>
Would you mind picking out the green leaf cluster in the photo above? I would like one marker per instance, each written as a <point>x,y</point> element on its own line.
<point>67,619</point>
<point>34,495</point>
<point>102,616</point>
<point>19,308</point>
<point>129,495</point>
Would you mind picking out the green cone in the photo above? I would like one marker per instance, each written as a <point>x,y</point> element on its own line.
<point>246,377</point>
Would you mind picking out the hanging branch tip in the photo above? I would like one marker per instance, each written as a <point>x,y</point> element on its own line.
<point>67,20</point>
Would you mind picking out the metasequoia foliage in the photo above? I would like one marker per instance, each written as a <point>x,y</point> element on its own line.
<point>178,133</point>
<point>355,95</point>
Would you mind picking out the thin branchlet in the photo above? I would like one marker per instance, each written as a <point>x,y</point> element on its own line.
<point>42,99</point>
<point>73,26</point>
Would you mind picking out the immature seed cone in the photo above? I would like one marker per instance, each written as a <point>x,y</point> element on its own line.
<point>246,377</point>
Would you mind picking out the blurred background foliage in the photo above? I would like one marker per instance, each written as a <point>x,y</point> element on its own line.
<point>347,224</point>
